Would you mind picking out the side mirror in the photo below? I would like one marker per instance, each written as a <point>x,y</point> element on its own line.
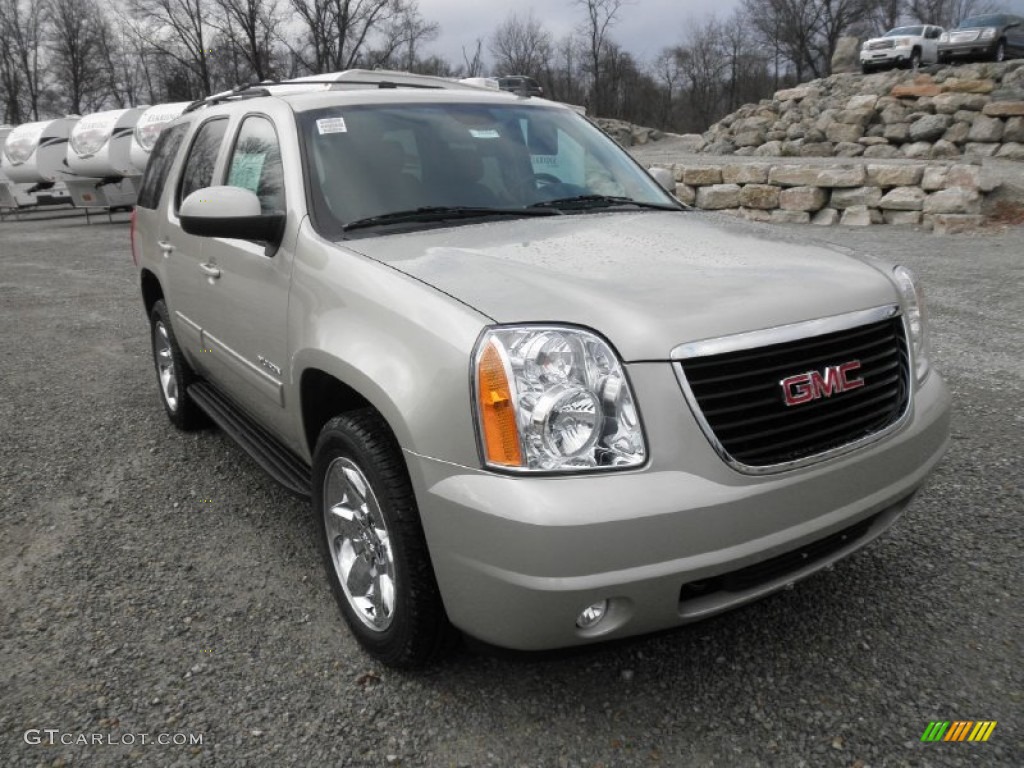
<point>229,212</point>
<point>664,177</point>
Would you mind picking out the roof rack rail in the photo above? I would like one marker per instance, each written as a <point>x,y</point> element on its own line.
<point>379,78</point>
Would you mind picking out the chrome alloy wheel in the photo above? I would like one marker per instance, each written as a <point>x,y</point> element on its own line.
<point>165,365</point>
<point>359,544</point>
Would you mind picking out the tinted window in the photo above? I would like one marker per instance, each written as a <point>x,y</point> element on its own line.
<point>982,21</point>
<point>256,163</point>
<point>160,161</point>
<point>198,171</point>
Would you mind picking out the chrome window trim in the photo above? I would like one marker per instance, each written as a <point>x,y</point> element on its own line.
<point>782,334</point>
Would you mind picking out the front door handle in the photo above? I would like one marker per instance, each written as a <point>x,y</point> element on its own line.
<point>165,247</point>
<point>210,270</point>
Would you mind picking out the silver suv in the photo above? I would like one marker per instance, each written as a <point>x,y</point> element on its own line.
<point>531,396</point>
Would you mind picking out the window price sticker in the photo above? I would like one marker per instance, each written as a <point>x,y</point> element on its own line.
<point>331,125</point>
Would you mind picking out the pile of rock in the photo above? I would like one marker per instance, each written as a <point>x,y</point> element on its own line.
<point>938,112</point>
<point>946,197</point>
<point>628,134</point>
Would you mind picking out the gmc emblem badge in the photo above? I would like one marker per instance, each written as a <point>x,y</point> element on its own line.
<point>813,385</point>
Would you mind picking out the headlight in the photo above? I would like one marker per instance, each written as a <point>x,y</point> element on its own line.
<point>146,133</point>
<point>989,33</point>
<point>917,321</point>
<point>554,399</point>
<point>22,142</point>
<point>944,37</point>
<point>91,133</point>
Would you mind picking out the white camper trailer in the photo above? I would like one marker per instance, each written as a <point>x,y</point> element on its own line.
<point>151,123</point>
<point>36,153</point>
<point>12,196</point>
<point>98,155</point>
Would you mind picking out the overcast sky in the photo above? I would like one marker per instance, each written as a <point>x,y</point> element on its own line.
<point>646,26</point>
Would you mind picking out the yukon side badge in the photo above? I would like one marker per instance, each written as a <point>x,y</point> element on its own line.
<point>268,365</point>
<point>805,387</point>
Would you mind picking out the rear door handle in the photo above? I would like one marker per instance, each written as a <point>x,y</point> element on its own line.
<point>165,247</point>
<point>210,270</point>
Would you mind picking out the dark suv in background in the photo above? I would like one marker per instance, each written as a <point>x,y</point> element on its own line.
<point>520,84</point>
<point>995,36</point>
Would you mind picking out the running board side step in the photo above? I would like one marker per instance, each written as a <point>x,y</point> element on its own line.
<point>277,460</point>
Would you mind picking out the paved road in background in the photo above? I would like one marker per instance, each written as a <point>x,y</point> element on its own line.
<point>153,582</point>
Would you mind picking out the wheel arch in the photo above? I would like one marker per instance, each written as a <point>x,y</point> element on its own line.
<point>152,291</point>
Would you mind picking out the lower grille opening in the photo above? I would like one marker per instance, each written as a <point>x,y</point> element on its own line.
<point>774,568</point>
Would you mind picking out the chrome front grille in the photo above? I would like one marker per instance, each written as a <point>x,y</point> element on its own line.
<point>739,394</point>
<point>881,45</point>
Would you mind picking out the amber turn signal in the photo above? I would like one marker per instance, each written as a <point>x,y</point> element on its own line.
<point>497,411</point>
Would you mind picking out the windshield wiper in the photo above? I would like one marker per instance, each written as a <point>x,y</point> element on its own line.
<point>441,213</point>
<point>601,201</point>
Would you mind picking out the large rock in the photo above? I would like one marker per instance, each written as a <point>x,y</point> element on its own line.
<point>968,86</point>
<point>902,218</point>
<point>867,197</point>
<point>793,176</point>
<point>718,196</point>
<point>746,173</point>
<point>903,199</point>
<point>976,149</point>
<point>882,152</point>
<point>803,199</point>
<point>957,133</point>
<point>852,176</point>
<point>934,178</point>
<point>915,91</point>
<point>955,224</point>
<point>826,217</point>
<point>856,216</point>
<point>1011,151</point>
<point>847,55</point>
<point>1004,109</point>
<point>894,175</point>
<point>749,139</point>
<point>929,127</point>
<point>790,217</point>
<point>702,175</point>
<point>686,193</point>
<point>986,129</point>
<point>1014,130</point>
<point>918,150</point>
<point>843,132</point>
<point>760,196</point>
<point>796,94</point>
<point>953,200</point>
<point>964,176</point>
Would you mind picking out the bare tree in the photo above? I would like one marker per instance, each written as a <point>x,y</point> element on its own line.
<point>338,34</point>
<point>180,30</point>
<point>250,28</point>
<point>601,16</point>
<point>474,65</point>
<point>520,45</point>
<point>949,13</point>
<point>21,44</point>
<point>76,31</point>
<point>399,39</point>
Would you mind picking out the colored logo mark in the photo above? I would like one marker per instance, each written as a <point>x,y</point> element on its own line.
<point>958,730</point>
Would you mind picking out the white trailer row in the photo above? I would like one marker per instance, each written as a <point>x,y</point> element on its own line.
<point>93,162</point>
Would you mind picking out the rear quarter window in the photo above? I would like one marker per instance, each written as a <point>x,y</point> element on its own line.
<point>154,179</point>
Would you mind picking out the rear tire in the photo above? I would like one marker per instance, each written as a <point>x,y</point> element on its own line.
<point>373,545</point>
<point>173,373</point>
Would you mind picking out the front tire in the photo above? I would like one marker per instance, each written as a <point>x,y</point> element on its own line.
<point>173,373</point>
<point>1000,52</point>
<point>373,545</point>
<point>915,59</point>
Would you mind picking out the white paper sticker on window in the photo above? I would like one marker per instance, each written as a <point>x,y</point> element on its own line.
<point>331,125</point>
<point>485,133</point>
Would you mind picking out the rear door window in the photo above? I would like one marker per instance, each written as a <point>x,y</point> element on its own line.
<point>202,156</point>
<point>255,163</point>
<point>160,161</point>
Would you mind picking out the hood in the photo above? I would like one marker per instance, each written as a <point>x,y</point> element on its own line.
<point>647,281</point>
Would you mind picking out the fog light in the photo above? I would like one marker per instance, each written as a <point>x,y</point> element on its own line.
<point>592,614</point>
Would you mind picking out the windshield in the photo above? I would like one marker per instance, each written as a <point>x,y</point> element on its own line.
<point>981,21</point>
<point>369,161</point>
<point>905,32</point>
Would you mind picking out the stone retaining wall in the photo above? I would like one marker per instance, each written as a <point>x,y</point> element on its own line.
<point>944,197</point>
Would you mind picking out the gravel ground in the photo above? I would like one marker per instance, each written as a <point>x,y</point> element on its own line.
<point>159,583</point>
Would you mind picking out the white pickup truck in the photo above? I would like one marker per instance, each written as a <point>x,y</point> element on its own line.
<point>903,46</point>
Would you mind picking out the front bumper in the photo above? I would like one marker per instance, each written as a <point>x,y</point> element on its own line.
<point>886,56</point>
<point>982,48</point>
<point>518,558</point>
